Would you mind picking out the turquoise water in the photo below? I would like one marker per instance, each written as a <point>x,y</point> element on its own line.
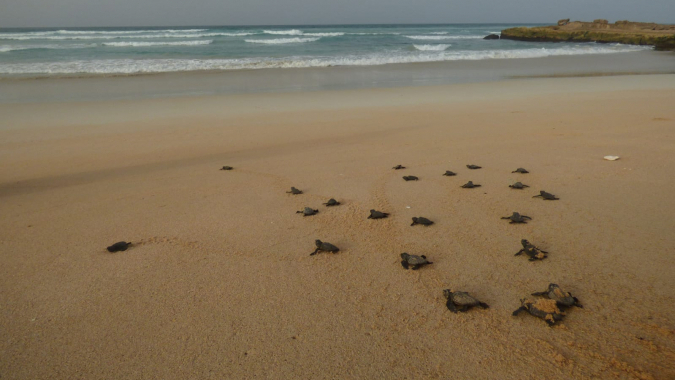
<point>107,51</point>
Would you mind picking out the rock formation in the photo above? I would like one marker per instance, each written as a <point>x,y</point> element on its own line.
<point>625,32</point>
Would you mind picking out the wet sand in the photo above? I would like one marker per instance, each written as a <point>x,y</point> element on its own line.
<point>219,283</point>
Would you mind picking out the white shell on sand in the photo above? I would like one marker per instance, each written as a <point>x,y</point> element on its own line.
<point>611,158</point>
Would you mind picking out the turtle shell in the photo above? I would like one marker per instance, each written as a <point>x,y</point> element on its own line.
<point>464,299</point>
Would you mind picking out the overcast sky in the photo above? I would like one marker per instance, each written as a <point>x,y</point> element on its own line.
<point>68,13</point>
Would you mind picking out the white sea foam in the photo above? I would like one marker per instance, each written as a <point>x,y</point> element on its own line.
<point>130,66</point>
<point>431,47</point>
<point>129,31</point>
<point>8,48</point>
<point>284,41</point>
<point>148,44</point>
<point>335,34</point>
<point>444,37</point>
<point>18,37</point>
<point>293,32</point>
<point>439,32</point>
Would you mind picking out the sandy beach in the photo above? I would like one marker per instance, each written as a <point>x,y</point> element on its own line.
<point>219,283</point>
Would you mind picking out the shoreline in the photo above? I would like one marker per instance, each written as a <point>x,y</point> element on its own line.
<point>280,80</point>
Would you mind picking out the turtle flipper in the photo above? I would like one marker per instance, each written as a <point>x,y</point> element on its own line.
<point>483,305</point>
<point>413,223</point>
<point>544,293</point>
<point>414,267</point>
<point>537,196</point>
<point>576,302</point>
<point>451,306</point>
<point>315,252</point>
<point>518,310</point>
<point>520,252</point>
<point>464,309</point>
<point>506,217</point>
<point>405,265</point>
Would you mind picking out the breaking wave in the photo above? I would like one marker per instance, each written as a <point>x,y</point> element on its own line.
<point>132,66</point>
<point>444,37</point>
<point>431,47</point>
<point>148,44</point>
<point>284,41</point>
<point>293,32</point>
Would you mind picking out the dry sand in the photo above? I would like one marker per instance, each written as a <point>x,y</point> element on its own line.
<point>220,284</point>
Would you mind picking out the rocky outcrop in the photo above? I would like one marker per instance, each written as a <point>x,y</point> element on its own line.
<point>491,37</point>
<point>563,22</point>
<point>625,32</point>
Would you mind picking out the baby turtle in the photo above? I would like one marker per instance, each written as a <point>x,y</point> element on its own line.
<point>308,211</point>
<point>517,218</point>
<point>470,185</point>
<point>545,309</point>
<point>518,185</point>
<point>422,221</point>
<point>332,202</point>
<point>324,247</point>
<point>520,170</point>
<point>448,173</point>
<point>414,262</point>
<point>530,250</point>
<point>294,191</point>
<point>397,167</point>
<point>410,178</point>
<point>226,168</point>
<point>119,246</point>
<point>474,167</point>
<point>546,196</point>
<point>563,298</point>
<point>378,215</point>
<point>461,301</point>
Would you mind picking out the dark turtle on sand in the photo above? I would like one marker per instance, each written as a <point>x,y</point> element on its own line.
<point>397,167</point>
<point>332,202</point>
<point>461,301</point>
<point>324,247</point>
<point>474,167</point>
<point>413,262</point>
<point>308,211</point>
<point>520,170</point>
<point>422,221</point>
<point>119,246</point>
<point>518,185</point>
<point>294,191</point>
<point>410,178</point>
<point>226,168</point>
<point>470,185</point>
<point>448,173</point>
<point>377,214</point>
<point>517,218</point>
<point>545,309</point>
<point>546,196</point>
<point>563,298</point>
<point>530,250</point>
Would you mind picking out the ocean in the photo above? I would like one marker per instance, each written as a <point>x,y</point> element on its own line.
<point>127,51</point>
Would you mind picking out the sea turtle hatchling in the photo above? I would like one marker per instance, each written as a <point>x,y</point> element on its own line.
<point>410,178</point>
<point>413,262</point>
<point>470,185</point>
<point>543,308</point>
<point>517,218</point>
<point>461,301</point>
<point>294,191</point>
<point>532,251</point>
<point>448,173</point>
<point>226,168</point>
<point>324,247</point>
<point>520,170</point>
<point>560,296</point>
<point>308,211</point>
<point>377,214</point>
<point>546,196</point>
<point>119,246</point>
<point>397,167</point>
<point>518,185</point>
<point>474,167</point>
<point>332,202</point>
<point>422,221</point>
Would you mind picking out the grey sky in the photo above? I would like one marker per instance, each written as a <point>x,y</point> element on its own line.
<point>68,13</point>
